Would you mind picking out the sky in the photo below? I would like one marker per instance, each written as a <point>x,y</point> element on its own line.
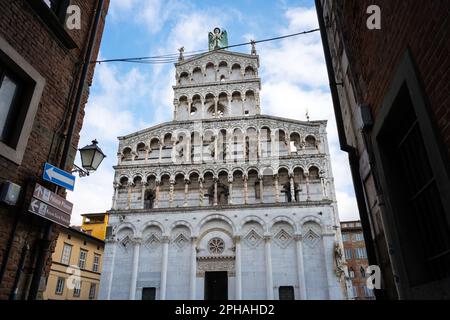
<point>128,97</point>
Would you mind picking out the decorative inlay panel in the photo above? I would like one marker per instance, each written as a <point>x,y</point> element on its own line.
<point>311,238</point>
<point>181,241</point>
<point>152,242</point>
<point>252,239</point>
<point>283,238</point>
<point>125,243</point>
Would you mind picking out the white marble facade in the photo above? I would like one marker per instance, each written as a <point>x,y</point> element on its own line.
<point>224,188</point>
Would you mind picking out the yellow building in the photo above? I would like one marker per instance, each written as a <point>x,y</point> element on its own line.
<point>76,267</point>
<point>95,224</point>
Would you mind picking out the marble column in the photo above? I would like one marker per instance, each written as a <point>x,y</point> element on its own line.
<point>186,192</point>
<point>261,189</point>
<point>216,148</point>
<point>135,267</point>
<point>230,151</point>
<point>164,262</point>
<point>269,275</point>
<point>215,106</point>
<point>116,194</point>
<point>174,146</point>
<point>288,142</point>
<point>291,180</point>
<point>324,187</point>
<point>300,267</point>
<point>277,189</point>
<point>332,279</point>
<point>238,267</point>
<point>230,191</point>
<point>188,149</point>
<point>193,270</point>
<point>157,195</point>
<point>175,110</point>
<point>244,147</point>
<point>215,192</point>
<point>143,194</point>
<point>129,196</point>
<point>258,142</point>
<point>160,152</point>
<point>146,155</point>
<point>245,190</point>
<point>200,191</point>
<point>307,186</point>
<point>110,275</point>
<point>274,146</point>
<point>171,188</point>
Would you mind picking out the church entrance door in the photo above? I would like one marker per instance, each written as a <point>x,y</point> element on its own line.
<point>216,285</point>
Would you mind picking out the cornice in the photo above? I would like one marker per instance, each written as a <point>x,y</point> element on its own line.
<point>224,208</point>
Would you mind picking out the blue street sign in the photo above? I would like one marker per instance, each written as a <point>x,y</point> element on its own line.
<point>59,177</point>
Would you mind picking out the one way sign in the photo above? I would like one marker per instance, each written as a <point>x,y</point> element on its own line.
<point>59,177</point>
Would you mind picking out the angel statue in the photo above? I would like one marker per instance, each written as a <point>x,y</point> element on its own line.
<point>217,39</point>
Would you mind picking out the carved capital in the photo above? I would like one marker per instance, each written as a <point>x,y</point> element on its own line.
<point>298,237</point>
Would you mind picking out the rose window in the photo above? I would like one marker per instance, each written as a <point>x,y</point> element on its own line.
<point>216,246</point>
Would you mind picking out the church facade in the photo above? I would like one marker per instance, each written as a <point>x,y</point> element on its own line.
<point>223,202</point>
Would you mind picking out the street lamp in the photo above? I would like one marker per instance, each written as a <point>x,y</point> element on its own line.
<point>91,157</point>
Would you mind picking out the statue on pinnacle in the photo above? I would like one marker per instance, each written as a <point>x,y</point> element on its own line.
<point>217,39</point>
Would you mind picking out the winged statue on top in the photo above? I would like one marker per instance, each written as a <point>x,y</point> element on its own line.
<point>217,39</point>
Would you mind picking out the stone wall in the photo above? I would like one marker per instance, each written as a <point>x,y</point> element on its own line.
<point>25,31</point>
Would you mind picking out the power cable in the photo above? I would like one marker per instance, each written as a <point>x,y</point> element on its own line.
<point>173,57</point>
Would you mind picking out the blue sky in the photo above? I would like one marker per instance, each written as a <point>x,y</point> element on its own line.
<point>127,97</point>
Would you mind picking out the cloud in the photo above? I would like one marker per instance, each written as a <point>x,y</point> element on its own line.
<point>93,194</point>
<point>110,112</point>
<point>348,210</point>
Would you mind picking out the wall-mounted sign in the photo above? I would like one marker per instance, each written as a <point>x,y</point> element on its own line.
<point>50,206</point>
<point>59,177</point>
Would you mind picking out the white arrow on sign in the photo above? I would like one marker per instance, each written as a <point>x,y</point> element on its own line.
<point>39,191</point>
<point>34,205</point>
<point>55,175</point>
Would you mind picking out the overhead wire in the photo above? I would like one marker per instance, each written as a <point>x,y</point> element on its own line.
<point>174,57</point>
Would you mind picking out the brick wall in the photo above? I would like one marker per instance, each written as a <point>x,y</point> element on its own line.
<point>24,30</point>
<point>355,264</point>
<point>424,27</point>
<point>373,57</point>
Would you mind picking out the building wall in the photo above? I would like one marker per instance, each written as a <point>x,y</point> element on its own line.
<point>36,44</point>
<point>352,239</point>
<point>58,269</point>
<point>366,63</point>
<point>148,230</point>
<point>92,225</point>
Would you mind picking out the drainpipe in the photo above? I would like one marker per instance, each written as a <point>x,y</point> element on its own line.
<point>352,152</point>
<point>19,271</point>
<point>46,241</point>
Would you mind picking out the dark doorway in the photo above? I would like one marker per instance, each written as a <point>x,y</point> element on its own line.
<point>148,293</point>
<point>286,293</point>
<point>216,285</point>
